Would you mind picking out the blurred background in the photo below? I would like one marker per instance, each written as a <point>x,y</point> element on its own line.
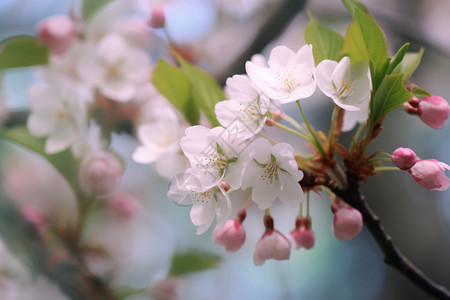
<point>216,32</point>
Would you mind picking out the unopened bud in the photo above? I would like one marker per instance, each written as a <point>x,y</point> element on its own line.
<point>158,18</point>
<point>272,245</point>
<point>347,223</point>
<point>57,32</point>
<point>403,158</point>
<point>99,173</point>
<point>433,111</point>
<point>231,235</point>
<point>430,174</point>
<point>124,205</point>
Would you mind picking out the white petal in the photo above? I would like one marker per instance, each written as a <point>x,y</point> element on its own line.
<point>118,90</point>
<point>202,214</point>
<point>264,193</point>
<point>322,74</point>
<point>60,139</point>
<point>291,193</point>
<point>41,124</point>
<point>112,48</point>
<point>178,192</point>
<point>223,210</point>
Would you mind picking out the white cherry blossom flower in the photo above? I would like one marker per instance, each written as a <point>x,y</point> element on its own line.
<point>206,205</point>
<point>57,112</point>
<point>115,67</point>
<point>159,137</point>
<point>273,173</point>
<point>214,156</point>
<point>348,85</point>
<point>246,111</point>
<point>289,75</point>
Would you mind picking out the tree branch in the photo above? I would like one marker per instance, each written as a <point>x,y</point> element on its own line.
<point>392,255</point>
<point>272,28</point>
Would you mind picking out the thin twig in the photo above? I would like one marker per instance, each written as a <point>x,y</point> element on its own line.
<point>392,255</point>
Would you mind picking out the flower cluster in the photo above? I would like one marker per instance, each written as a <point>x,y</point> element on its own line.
<point>238,156</point>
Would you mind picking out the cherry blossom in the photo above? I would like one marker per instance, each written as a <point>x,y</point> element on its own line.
<point>57,112</point>
<point>289,75</point>
<point>116,67</point>
<point>272,172</point>
<point>346,84</point>
<point>246,111</point>
<point>205,204</point>
<point>159,137</point>
<point>214,156</point>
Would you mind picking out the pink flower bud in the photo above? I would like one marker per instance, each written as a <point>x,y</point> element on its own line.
<point>124,205</point>
<point>158,18</point>
<point>302,234</point>
<point>303,237</point>
<point>57,32</point>
<point>347,223</point>
<point>403,158</point>
<point>231,235</point>
<point>430,174</point>
<point>433,111</point>
<point>99,173</point>
<point>34,215</point>
<point>272,245</point>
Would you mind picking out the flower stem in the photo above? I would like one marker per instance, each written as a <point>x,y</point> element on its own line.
<point>279,125</point>
<point>291,121</point>
<point>307,205</point>
<point>313,134</point>
<point>247,203</point>
<point>330,133</point>
<point>380,169</point>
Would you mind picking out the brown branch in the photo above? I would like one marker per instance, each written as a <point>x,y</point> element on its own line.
<point>392,255</point>
<point>272,28</point>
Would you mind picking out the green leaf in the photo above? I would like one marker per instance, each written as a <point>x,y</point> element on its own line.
<point>390,95</point>
<point>354,44</point>
<point>91,7</point>
<point>352,5</point>
<point>22,51</point>
<point>204,89</point>
<point>174,84</point>
<point>365,41</point>
<point>63,161</point>
<point>409,64</point>
<point>420,92</point>
<point>397,59</point>
<point>327,44</point>
<point>192,261</point>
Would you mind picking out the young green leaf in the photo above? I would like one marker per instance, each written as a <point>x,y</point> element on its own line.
<point>22,51</point>
<point>204,89</point>
<point>91,7</point>
<point>390,95</point>
<point>192,261</point>
<point>397,59</point>
<point>327,44</point>
<point>419,92</point>
<point>174,84</point>
<point>409,64</point>
<point>351,5</point>
<point>354,44</point>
